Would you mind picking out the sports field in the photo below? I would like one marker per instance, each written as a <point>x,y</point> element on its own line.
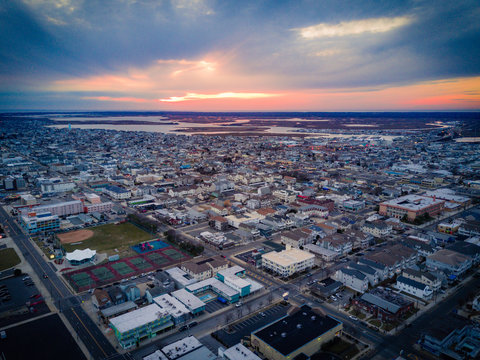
<point>110,272</point>
<point>8,258</point>
<point>105,238</point>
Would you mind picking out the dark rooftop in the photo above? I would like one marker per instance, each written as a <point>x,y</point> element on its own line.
<point>294,331</point>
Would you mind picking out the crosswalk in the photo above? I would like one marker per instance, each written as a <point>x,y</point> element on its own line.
<point>260,278</point>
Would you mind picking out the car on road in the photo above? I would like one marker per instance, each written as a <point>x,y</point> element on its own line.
<point>45,276</point>
<point>354,318</point>
<point>192,324</point>
<point>238,304</point>
<point>183,328</point>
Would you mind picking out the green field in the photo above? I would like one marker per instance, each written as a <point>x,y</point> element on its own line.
<point>109,237</point>
<point>8,258</point>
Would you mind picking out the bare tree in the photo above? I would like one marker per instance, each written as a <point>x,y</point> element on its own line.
<point>228,317</point>
<point>249,307</point>
<point>270,298</point>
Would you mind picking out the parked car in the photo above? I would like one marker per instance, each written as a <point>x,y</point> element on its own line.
<point>354,318</point>
<point>183,328</point>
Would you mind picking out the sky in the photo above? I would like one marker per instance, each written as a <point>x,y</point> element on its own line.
<point>201,55</point>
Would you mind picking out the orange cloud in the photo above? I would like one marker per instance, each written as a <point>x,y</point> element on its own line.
<point>119,99</point>
<point>224,95</point>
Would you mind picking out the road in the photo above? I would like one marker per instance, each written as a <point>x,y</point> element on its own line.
<point>405,339</point>
<point>97,344</point>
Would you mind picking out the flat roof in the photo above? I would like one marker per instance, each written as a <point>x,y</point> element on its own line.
<point>214,283</point>
<point>240,352</point>
<point>413,202</point>
<point>288,257</point>
<point>115,309</point>
<point>170,304</point>
<point>188,299</point>
<point>231,271</point>
<point>181,347</point>
<point>294,331</point>
<point>137,318</point>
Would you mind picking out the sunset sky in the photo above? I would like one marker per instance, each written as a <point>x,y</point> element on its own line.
<point>181,55</point>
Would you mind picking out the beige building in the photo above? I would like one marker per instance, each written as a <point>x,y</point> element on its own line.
<point>205,268</point>
<point>288,262</point>
<point>303,332</point>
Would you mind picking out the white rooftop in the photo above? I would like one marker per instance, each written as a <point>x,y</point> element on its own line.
<point>170,304</point>
<point>413,202</point>
<point>288,257</point>
<point>137,318</point>
<point>188,299</point>
<point>181,347</point>
<point>180,276</point>
<point>240,352</point>
<point>79,255</point>
<point>214,283</point>
<point>231,271</point>
<point>157,355</point>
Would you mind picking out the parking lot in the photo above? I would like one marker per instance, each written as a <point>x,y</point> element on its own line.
<point>16,292</point>
<point>215,305</point>
<point>244,328</point>
<point>341,298</point>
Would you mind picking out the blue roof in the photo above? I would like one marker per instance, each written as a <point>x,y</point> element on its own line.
<point>116,189</point>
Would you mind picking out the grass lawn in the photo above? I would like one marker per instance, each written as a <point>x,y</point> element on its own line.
<point>336,346</point>
<point>8,258</point>
<point>109,237</point>
<point>375,322</point>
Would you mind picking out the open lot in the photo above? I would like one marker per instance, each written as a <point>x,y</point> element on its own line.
<point>8,258</point>
<point>107,238</point>
<point>31,341</point>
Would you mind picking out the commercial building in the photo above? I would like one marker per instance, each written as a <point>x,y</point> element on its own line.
<point>141,324</point>
<point>193,303</point>
<point>33,222</point>
<point>383,304</point>
<point>303,332</point>
<point>222,290</point>
<point>117,193</point>
<point>55,185</point>
<point>237,352</point>
<point>411,206</point>
<point>65,208</point>
<point>288,262</point>
<point>177,310</point>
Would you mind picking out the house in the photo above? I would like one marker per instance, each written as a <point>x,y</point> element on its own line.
<point>450,262</point>
<point>218,222</point>
<point>296,238</point>
<point>201,269</point>
<point>423,277</point>
<point>415,288</point>
<point>371,273</point>
<point>337,243</point>
<point>353,279</point>
<point>101,299</point>
<point>378,229</point>
<point>468,249</point>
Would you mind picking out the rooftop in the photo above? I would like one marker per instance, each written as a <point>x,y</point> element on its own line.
<point>288,257</point>
<point>300,328</point>
<point>137,318</point>
<point>413,202</point>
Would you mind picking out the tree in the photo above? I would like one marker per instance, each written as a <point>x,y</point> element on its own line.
<point>17,272</point>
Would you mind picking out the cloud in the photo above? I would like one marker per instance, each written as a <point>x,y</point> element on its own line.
<point>356,27</point>
<point>118,99</point>
<point>224,95</point>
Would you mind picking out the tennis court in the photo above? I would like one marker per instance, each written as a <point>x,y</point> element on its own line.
<point>141,263</point>
<point>174,254</point>
<point>158,258</point>
<point>82,279</point>
<point>122,268</point>
<point>99,275</point>
<point>103,273</point>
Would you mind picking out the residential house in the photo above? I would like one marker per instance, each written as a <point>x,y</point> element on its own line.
<point>415,288</point>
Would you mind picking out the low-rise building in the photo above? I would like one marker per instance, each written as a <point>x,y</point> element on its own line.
<point>411,206</point>
<point>379,229</point>
<point>237,352</point>
<point>34,223</point>
<point>141,324</point>
<point>288,262</point>
<point>303,332</point>
<point>193,303</point>
<point>415,288</point>
<point>383,304</point>
<point>117,193</point>
<point>423,277</point>
<point>448,261</point>
<point>353,279</point>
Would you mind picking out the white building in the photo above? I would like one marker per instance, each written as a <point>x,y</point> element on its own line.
<point>353,279</point>
<point>414,288</point>
<point>117,193</point>
<point>237,352</point>
<point>288,262</point>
